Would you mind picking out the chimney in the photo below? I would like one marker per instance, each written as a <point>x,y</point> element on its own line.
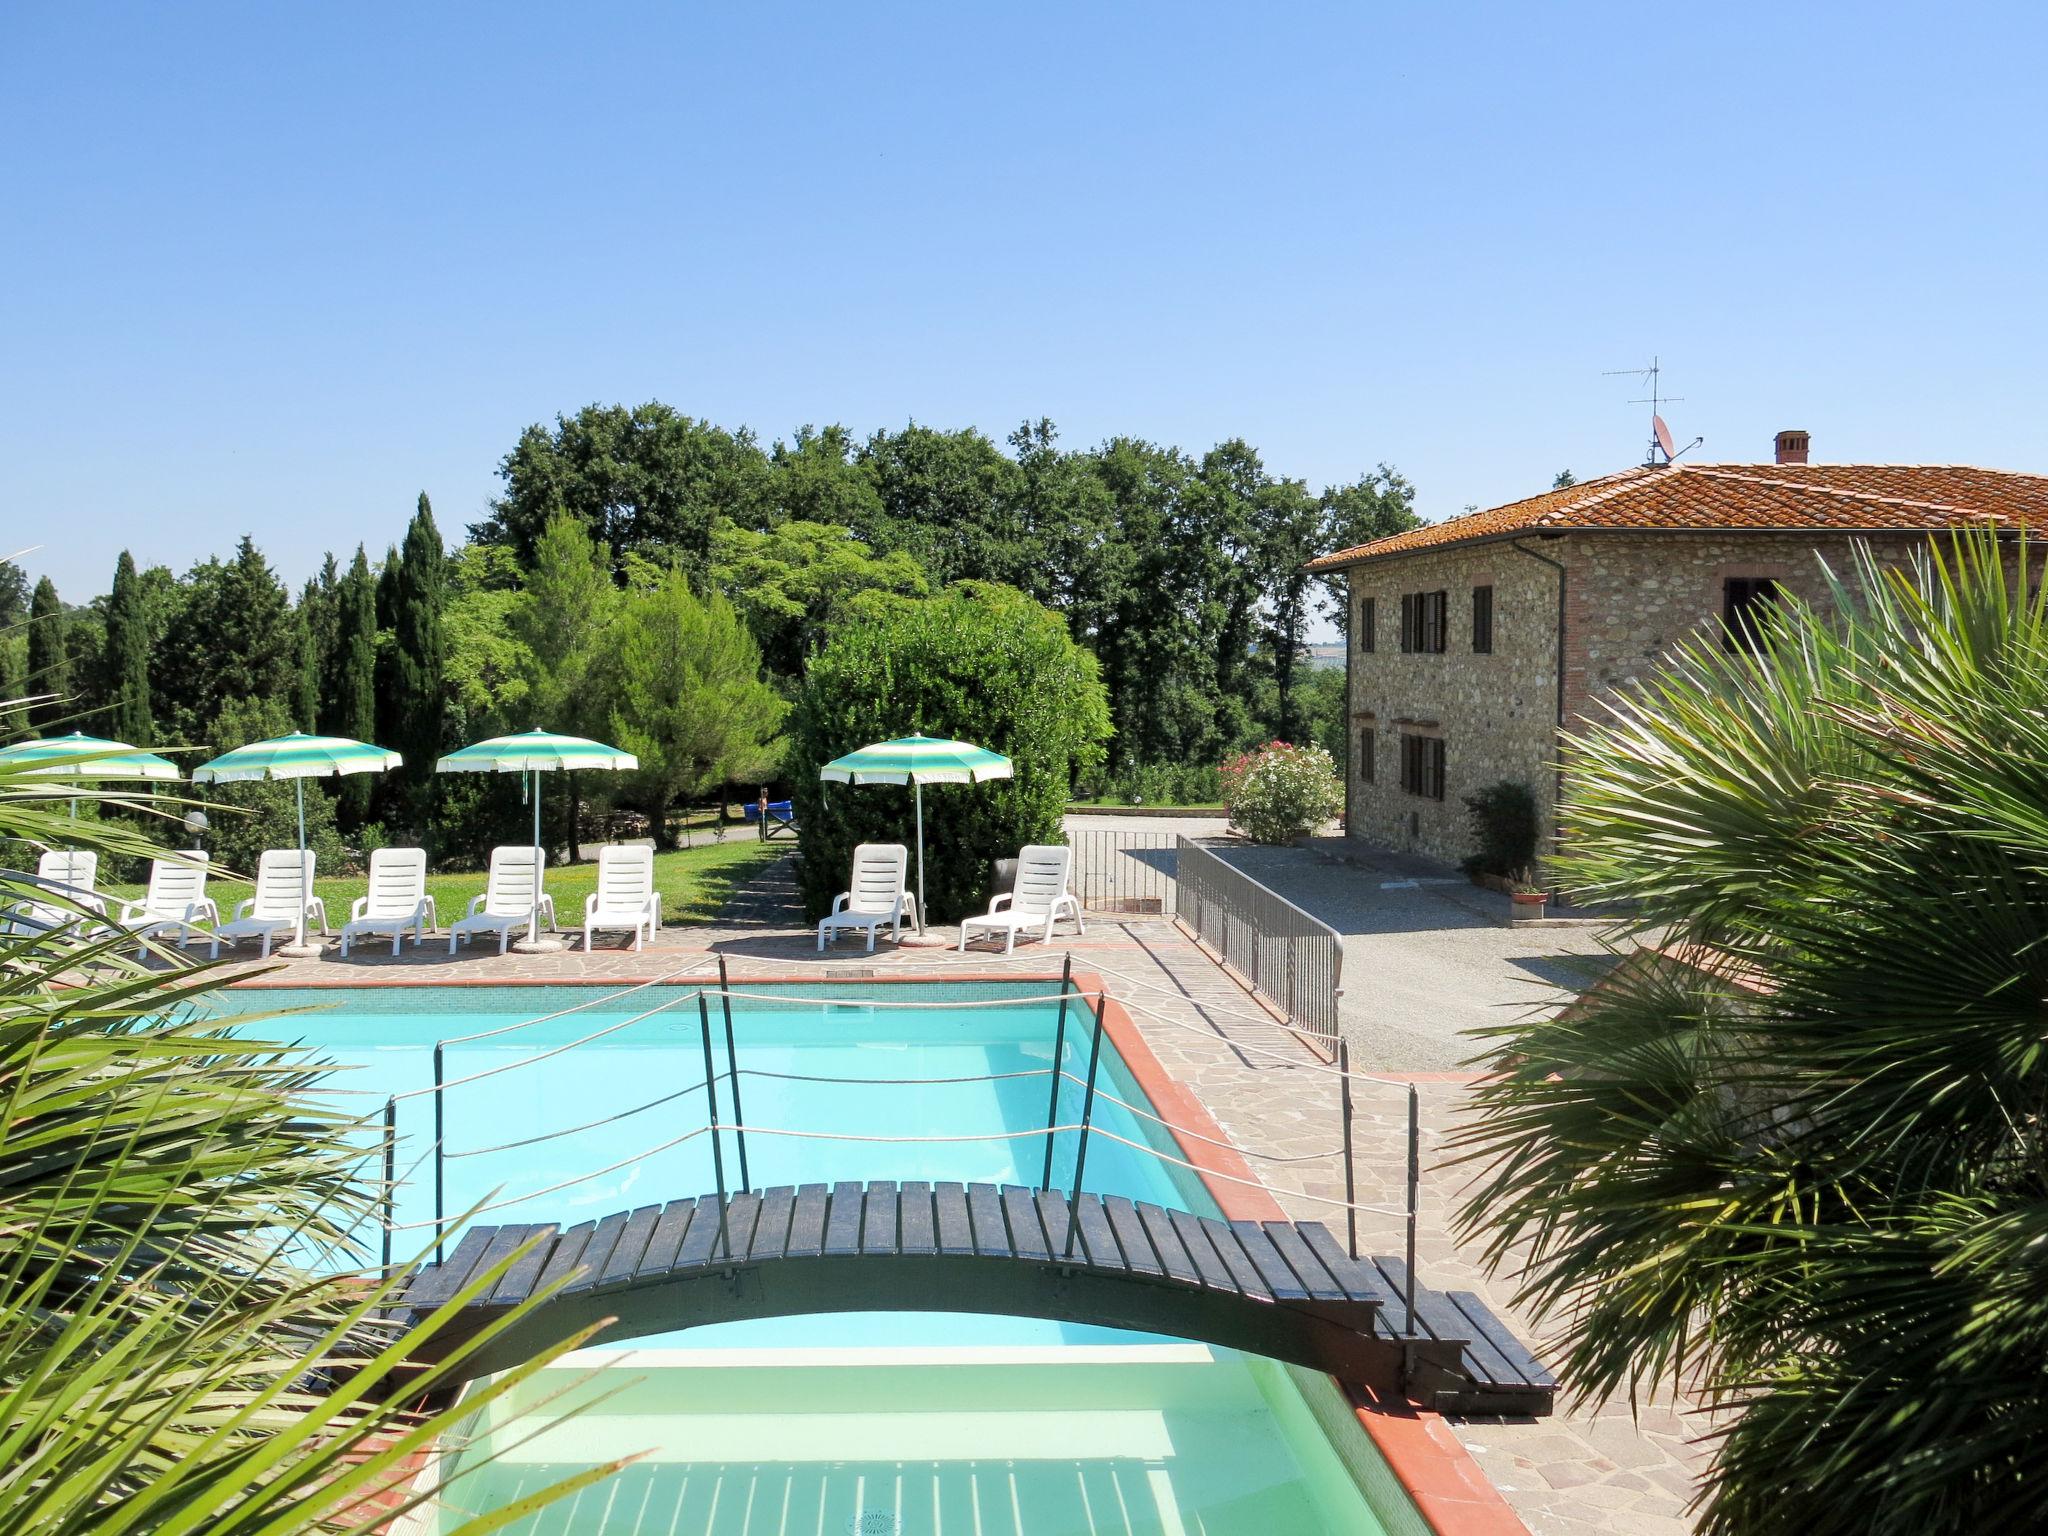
<point>1792,447</point>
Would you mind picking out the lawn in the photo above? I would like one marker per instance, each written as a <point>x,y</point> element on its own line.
<point>694,884</point>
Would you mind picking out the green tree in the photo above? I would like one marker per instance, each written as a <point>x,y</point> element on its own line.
<point>263,813</point>
<point>348,684</point>
<point>559,621</point>
<point>690,702</point>
<point>49,658</point>
<point>127,658</point>
<point>1796,1160</point>
<point>793,583</point>
<point>980,663</point>
<point>646,481</point>
<point>1374,506</point>
<point>1288,531</point>
<point>953,500</point>
<point>418,662</point>
<point>816,480</point>
<point>233,637</point>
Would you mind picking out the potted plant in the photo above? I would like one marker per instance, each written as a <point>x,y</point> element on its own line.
<point>1528,897</point>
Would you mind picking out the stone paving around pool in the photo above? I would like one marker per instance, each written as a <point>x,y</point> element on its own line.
<point>1576,1472</point>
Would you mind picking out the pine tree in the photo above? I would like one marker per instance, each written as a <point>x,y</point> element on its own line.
<point>49,662</point>
<point>127,658</point>
<point>419,594</point>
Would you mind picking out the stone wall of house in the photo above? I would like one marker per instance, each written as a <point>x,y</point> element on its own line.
<point>1629,597</point>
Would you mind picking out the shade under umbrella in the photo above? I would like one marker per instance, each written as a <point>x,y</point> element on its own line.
<point>535,752</point>
<point>918,761</point>
<point>78,758</point>
<point>298,756</point>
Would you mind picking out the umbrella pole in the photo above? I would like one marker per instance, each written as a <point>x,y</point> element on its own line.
<point>305,882</point>
<point>918,785</point>
<point>539,863</point>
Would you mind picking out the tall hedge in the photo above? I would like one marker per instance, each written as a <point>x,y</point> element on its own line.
<point>979,663</point>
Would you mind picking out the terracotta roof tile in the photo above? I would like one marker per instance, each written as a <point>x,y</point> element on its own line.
<point>1775,497</point>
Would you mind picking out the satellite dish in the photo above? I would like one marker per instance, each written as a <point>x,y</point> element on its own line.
<point>1663,437</point>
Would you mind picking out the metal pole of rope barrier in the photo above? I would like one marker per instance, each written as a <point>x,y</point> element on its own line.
<point>732,1067</point>
<point>1059,1047</point>
<point>440,1141</point>
<point>1350,1163</point>
<point>711,1109</point>
<point>1414,1184</point>
<point>1087,1114</point>
<point>390,1172</point>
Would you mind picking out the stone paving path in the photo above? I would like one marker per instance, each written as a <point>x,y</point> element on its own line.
<point>1576,1472</point>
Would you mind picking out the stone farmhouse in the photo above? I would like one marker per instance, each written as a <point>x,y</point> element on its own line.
<point>1473,642</point>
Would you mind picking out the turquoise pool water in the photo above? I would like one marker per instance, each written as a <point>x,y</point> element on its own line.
<point>876,1424</point>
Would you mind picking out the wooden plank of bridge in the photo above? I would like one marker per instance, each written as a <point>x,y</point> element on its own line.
<point>1027,1236</point>
<point>1243,1271</point>
<point>435,1283</point>
<point>597,1253</point>
<point>807,1222</point>
<point>842,1220</point>
<point>1215,1273</point>
<point>741,1214</point>
<point>1130,1236</point>
<point>518,1282</point>
<point>1354,1277</point>
<point>878,1227</point>
<point>1286,1236</point>
<point>991,1235</point>
<point>568,1251</point>
<point>956,1230</point>
<point>632,1243</point>
<point>1272,1267</point>
<point>1519,1367</point>
<point>504,1243</point>
<point>701,1241</point>
<point>771,1233</point>
<point>667,1240</point>
<point>1097,1237</point>
<point>1173,1253</point>
<point>1434,1314</point>
<point>1052,1214</point>
<point>914,1212</point>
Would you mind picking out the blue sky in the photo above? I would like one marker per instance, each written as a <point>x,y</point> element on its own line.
<point>278,268</point>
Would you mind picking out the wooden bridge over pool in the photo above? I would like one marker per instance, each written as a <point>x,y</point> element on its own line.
<point>1287,1290</point>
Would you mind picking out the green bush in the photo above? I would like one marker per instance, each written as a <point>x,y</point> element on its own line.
<point>1504,825</point>
<point>1280,792</point>
<point>980,663</point>
<point>1164,784</point>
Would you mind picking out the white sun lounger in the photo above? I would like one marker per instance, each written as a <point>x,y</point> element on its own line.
<point>397,899</point>
<point>626,901</point>
<point>877,895</point>
<point>281,879</point>
<point>68,875</point>
<point>508,900</point>
<point>175,904</point>
<point>1037,900</point>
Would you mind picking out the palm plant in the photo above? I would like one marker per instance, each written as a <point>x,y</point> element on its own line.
<point>181,1346</point>
<point>1794,1161</point>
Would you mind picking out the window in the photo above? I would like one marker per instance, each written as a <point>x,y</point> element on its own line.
<point>1422,766</point>
<point>1368,622</point>
<point>1744,600</point>
<point>1482,621</point>
<point>1423,621</point>
<point>1368,755</point>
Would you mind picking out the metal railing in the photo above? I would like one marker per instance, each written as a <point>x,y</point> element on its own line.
<point>1124,871</point>
<point>1293,960</point>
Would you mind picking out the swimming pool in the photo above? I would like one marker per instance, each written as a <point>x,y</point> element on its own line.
<point>600,1107</point>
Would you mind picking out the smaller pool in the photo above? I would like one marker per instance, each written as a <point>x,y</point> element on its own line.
<point>1162,1440</point>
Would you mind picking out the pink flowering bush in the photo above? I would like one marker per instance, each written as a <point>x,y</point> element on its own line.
<point>1279,792</point>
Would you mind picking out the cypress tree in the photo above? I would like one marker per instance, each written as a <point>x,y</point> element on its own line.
<point>49,662</point>
<point>419,595</point>
<point>353,668</point>
<point>127,658</point>
<point>305,694</point>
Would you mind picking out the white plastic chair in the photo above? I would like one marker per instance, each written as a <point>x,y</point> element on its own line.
<point>69,875</point>
<point>1036,901</point>
<point>397,899</point>
<point>175,904</point>
<point>877,895</point>
<point>281,879</point>
<point>510,896</point>
<point>626,901</point>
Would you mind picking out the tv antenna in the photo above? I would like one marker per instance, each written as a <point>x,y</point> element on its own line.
<point>1660,450</point>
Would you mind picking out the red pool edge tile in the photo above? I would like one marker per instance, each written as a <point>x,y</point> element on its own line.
<point>1448,1487</point>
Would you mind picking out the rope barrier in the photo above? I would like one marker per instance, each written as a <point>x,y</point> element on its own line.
<point>562,1013</point>
<point>893,1082</point>
<point>581,1178</point>
<point>588,1125</point>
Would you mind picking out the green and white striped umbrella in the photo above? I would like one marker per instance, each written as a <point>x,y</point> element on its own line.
<point>918,761</point>
<point>297,756</point>
<point>301,757</point>
<point>79,756</point>
<point>535,752</point>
